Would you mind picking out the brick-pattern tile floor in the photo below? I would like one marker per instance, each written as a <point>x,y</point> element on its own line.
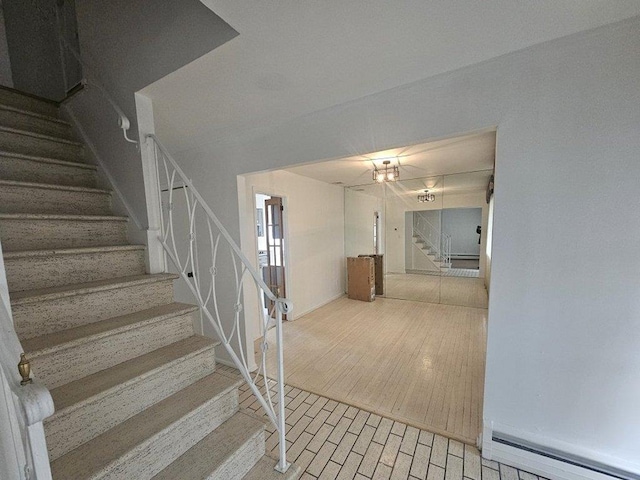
<point>332,440</point>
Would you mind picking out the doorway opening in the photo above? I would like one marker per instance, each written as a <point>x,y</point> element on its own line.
<point>417,353</point>
<point>270,242</point>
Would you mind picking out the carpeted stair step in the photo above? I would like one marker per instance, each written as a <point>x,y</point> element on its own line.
<point>37,269</point>
<point>227,453</point>
<point>48,310</point>
<point>51,171</point>
<point>15,99</point>
<point>145,444</point>
<point>28,197</point>
<point>26,120</point>
<point>97,403</point>
<point>265,470</point>
<point>33,231</point>
<point>68,355</point>
<point>30,143</point>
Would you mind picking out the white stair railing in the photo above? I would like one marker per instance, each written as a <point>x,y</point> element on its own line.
<point>438,242</point>
<point>446,249</point>
<point>32,402</point>
<point>200,247</point>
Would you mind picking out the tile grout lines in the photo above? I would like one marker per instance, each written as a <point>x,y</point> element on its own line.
<point>332,440</point>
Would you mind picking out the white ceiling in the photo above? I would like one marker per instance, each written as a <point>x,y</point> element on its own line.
<point>442,157</point>
<point>443,187</point>
<point>295,57</point>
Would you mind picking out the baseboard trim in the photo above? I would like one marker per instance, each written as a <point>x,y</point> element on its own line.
<point>436,273</point>
<point>548,462</point>
<point>563,457</point>
<point>315,307</point>
<point>228,363</point>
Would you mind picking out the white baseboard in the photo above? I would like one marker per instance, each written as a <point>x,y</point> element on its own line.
<point>315,307</point>
<point>228,363</point>
<point>541,465</point>
<point>550,458</point>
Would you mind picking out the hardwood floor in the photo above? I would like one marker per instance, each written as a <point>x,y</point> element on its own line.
<point>414,362</point>
<point>463,291</point>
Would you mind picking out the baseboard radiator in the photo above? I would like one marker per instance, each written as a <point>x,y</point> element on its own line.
<point>563,457</point>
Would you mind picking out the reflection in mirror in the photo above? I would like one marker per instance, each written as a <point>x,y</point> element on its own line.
<point>432,234</point>
<point>464,221</point>
<point>414,250</point>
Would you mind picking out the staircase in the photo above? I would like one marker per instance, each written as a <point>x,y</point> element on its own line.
<point>438,262</point>
<point>136,391</point>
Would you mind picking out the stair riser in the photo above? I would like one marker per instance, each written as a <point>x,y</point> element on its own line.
<point>159,451</point>
<point>242,461</point>
<point>40,318</point>
<point>25,170</point>
<point>31,234</point>
<point>17,100</point>
<point>19,199</point>
<point>22,121</point>
<point>43,147</point>
<point>67,430</point>
<point>27,273</point>
<point>67,365</point>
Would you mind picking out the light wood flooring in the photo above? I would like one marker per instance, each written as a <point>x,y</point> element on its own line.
<point>463,291</point>
<point>415,362</point>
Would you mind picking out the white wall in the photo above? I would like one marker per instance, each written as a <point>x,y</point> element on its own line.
<point>314,235</point>
<point>128,45</point>
<point>394,226</point>
<point>461,224</point>
<point>562,362</point>
<point>33,47</point>
<point>470,200</point>
<point>359,209</point>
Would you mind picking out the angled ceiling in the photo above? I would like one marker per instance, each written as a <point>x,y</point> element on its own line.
<point>293,58</point>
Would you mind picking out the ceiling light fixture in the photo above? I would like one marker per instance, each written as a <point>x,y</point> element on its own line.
<point>386,174</point>
<point>426,197</point>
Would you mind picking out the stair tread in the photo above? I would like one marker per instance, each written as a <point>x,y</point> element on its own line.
<point>38,158</point>
<point>134,370</point>
<point>98,453</point>
<point>71,251</point>
<point>34,114</point>
<point>46,344</point>
<point>51,186</point>
<point>211,452</point>
<point>42,136</point>
<point>51,293</point>
<point>63,216</point>
<point>265,470</point>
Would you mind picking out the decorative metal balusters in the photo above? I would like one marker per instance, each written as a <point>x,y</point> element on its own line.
<point>438,242</point>
<point>205,256</point>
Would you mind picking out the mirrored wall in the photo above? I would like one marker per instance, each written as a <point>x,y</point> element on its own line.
<point>431,232</point>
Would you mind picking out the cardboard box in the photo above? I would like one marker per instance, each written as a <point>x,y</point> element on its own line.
<point>379,268</point>
<point>361,279</point>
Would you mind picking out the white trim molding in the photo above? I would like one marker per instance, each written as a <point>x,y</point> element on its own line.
<point>551,458</point>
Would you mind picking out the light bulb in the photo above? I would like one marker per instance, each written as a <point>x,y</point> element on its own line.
<point>390,176</point>
<point>380,178</point>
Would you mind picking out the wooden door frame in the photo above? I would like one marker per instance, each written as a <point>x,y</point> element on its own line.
<point>285,222</point>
